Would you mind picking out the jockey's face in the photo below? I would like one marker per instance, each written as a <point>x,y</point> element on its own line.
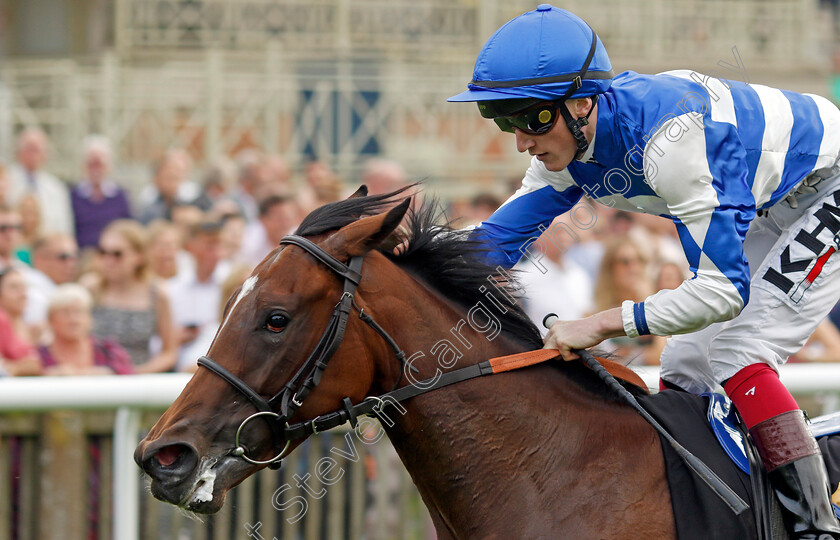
<point>557,148</point>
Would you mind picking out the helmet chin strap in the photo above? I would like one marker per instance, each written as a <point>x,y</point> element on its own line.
<point>575,125</point>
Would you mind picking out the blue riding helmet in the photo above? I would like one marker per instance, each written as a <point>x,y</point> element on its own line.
<point>545,54</point>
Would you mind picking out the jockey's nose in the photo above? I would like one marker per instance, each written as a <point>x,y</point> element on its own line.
<point>523,140</point>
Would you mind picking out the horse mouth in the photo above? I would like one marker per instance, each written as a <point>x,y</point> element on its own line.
<point>204,492</point>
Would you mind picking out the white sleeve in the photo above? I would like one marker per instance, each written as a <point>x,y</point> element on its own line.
<point>711,227</point>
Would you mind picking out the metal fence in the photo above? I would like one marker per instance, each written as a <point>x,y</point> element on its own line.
<point>66,472</point>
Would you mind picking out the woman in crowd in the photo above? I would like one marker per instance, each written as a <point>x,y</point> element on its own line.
<point>13,302</point>
<point>17,354</point>
<point>131,308</point>
<point>74,351</point>
<point>624,275</point>
<point>164,251</point>
<point>30,221</point>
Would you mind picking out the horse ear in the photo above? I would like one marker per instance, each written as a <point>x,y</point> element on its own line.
<point>361,236</point>
<point>361,192</point>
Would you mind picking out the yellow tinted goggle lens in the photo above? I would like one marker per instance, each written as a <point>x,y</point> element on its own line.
<point>535,121</point>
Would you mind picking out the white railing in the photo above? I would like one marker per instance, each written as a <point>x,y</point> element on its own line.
<point>130,396</point>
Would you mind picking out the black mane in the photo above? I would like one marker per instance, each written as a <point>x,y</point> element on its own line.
<point>445,258</point>
<point>453,264</point>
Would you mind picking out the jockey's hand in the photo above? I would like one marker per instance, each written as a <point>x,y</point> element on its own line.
<point>584,333</point>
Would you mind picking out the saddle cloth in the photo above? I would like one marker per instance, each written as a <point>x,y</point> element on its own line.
<point>699,513</point>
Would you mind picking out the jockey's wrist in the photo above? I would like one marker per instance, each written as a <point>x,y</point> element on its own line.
<point>609,324</point>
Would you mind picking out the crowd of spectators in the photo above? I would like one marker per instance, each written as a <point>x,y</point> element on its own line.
<point>95,279</point>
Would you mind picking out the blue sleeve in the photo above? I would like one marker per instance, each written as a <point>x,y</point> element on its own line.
<point>516,224</point>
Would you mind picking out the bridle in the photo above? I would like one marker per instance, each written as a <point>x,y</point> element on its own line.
<point>290,398</point>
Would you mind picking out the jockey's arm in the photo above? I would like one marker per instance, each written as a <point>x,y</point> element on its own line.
<point>512,228</point>
<point>711,224</point>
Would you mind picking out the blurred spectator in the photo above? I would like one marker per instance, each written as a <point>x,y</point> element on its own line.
<point>620,223</point>
<point>670,275</point>
<point>279,215</point>
<point>822,346</point>
<point>383,176</point>
<point>249,182</point>
<point>171,187</point>
<point>73,350</point>
<point>322,186</point>
<point>55,260</point>
<point>219,180</point>
<point>551,283</point>
<point>164,250</point>
<point>233,233</point>
<point>185,216</point>
<point>130,308</point>
<point>625,275</point>
<point>480,208</point>
<point>276,176</point>
<point>17,354</point>
<point>4,186</point>
<point>30,226</point>
<point>14,299</point>
<point>27,176</point>
<point>583,242</point>
<point>195,293</point>
<point>191,352</point>
<point>10,226</point>
<point>96,199</point>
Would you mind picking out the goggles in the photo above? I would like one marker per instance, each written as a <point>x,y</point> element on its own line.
<point>537,117</point>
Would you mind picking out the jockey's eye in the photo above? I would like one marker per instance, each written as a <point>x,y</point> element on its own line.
<point>276,322</point>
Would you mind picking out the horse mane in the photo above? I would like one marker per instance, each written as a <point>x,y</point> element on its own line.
<point>443,257</point>
<point>449,261</point>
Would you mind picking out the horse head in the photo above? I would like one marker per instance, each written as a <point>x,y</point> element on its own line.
<point>287,330</point>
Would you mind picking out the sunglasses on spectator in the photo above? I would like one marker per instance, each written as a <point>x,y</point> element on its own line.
<point>109,253</point>
<point>535,120</point>
<point>6,227</point>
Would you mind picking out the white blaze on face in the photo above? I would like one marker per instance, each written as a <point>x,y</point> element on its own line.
<point>247,287</point>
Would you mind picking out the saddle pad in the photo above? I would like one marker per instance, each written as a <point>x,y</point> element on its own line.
<point>698,512</point>
<point>828,424</point>
<point>724,423</point>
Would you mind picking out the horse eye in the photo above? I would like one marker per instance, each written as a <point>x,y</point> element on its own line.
<point>276,322</point>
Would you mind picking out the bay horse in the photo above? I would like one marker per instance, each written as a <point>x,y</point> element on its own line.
<point>542,452</point>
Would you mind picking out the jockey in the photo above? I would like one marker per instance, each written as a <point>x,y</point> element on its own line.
<point>751,179</point>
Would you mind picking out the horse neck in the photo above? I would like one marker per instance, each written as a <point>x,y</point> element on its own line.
<point>467,443</point>
<point>435,334</point>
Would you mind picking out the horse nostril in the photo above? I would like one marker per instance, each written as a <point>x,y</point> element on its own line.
<point>173,461</point>
<point>167,455</point>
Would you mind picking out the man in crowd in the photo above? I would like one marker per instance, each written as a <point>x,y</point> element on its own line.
<point>279,215</point>
<point>27,176</point>
<point>195,292</point>
<point>97,200</point>
<point>171,188</point>
<point>55,259</point>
